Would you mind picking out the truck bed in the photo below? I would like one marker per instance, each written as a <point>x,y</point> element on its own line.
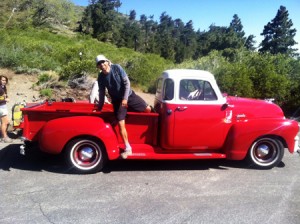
<point>141,127</point>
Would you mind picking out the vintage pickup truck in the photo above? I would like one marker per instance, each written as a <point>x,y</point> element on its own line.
<point>193,120</point>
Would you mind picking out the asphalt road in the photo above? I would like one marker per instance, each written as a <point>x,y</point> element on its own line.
<point>204,191</point>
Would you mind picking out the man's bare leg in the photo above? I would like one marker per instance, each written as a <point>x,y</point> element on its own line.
<point>124,136</point>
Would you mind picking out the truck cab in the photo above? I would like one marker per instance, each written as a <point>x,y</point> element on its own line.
<point>194,116</point>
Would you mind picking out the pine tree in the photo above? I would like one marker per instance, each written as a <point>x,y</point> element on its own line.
<point>238,37</point>
<point>164,38</point>
<point>101,19</point>
<point>279,35</point>
<point>149,30</point>
<point>236,25</point>
<point>250,42</point>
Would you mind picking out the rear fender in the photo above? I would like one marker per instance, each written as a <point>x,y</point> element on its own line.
<point>58,132</point>
<point>243,134</point>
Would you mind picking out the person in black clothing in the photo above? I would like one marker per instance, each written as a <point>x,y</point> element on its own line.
<point>115,80</point>
<point>3,109</point>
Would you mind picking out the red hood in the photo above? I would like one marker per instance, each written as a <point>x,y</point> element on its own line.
<point>254,108</point>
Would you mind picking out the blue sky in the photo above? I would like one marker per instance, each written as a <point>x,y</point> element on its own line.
<point>254,14</point>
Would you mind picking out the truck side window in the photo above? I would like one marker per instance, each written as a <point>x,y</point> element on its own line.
<point>183,90</point>
<point>191,89</point>
<point>209,93</point>
<point>159,85</point>
<point>168,89</point>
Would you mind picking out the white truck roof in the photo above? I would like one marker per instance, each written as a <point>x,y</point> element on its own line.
<point>179,74</point>
<point>188,73</point>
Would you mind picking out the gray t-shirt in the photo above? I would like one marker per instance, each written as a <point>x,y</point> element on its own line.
<point>117,84</point>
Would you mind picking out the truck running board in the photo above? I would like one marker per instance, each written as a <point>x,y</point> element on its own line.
<point>148,152</point>
<point>176,156</point>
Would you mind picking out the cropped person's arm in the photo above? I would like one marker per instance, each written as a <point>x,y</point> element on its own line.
<point>94,93</point>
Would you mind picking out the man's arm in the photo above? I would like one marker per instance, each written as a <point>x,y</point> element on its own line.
<point>127,87</point>
<point>126,82</point>
<point>94,93</point>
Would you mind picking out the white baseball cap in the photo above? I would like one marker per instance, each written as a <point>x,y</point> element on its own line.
<point>101,57</point>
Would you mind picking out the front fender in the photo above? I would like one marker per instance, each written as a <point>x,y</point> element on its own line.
<point>57,132</point>
<point>243,134</point>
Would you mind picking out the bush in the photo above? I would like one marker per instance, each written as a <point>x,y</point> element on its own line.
<point>44,77</point>
<point>77,68</point>
<point>46,93</point>
<point>26,50</point>
<point>238,72</point>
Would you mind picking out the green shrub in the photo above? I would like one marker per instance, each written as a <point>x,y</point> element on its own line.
<point>46,93</point>
<point>30,49</point>
<point>44,77</point>
<point>77,68</point>
<point>240,72</point>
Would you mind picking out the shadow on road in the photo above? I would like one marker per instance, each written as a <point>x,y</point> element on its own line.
<point>169,165</point>
<point>10,157</point>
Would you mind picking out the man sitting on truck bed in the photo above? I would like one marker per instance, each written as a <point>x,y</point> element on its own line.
<point>115,80</point>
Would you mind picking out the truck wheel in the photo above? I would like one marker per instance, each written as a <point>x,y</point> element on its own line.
<point>266,153</point>
<point>85,155</point>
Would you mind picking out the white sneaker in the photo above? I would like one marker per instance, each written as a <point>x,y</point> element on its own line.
<point>126,153</point>
<point>7,140</point>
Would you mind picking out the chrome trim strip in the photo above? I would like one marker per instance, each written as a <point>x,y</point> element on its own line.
<point>296,147</point>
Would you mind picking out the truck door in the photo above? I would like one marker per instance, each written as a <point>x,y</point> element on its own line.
<point>200,121</point>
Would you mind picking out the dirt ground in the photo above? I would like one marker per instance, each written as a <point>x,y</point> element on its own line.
<point>21,89</point>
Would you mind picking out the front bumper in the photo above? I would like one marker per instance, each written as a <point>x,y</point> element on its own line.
<point>23,146</point>
<point>22,150</point>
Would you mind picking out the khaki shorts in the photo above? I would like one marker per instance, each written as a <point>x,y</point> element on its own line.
<point>3,112</point>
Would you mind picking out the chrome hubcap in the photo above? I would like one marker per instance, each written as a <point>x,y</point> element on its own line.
<point>262,151</point>
<point>86,153</point>
<point>265,151</point>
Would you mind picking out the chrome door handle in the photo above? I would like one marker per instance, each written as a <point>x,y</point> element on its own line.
<point>181,108</point>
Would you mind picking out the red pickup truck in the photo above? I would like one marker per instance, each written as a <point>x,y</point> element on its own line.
<point>193,120</point>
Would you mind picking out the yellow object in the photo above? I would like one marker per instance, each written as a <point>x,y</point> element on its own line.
<point>17,115</point>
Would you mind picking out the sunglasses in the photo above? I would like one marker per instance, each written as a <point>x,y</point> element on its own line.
<point>101,62</point>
